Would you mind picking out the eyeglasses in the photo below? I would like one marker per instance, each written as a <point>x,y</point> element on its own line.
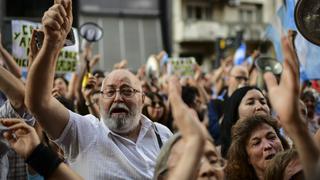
<point>126,92</point>
<point>240,78</point>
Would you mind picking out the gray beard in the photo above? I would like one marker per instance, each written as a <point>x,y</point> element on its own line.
<point>122,123</point>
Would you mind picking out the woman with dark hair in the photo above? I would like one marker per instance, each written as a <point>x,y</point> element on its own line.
<point>255,141</point>
<point>61,84</point>
<point>61,92</point>
<point>244,102</point>
<point>154,108</point>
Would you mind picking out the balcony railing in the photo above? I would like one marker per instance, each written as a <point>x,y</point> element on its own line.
<point>210,30</point>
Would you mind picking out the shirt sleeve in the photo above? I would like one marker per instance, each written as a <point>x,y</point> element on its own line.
<point>7,111</point>
<point>78,135</point>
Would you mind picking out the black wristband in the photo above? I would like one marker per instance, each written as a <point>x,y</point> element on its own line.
<point>43,160</point>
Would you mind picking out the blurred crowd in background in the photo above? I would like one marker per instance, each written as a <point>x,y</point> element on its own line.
<point>237,121</point>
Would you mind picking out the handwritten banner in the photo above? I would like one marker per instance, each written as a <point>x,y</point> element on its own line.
<point>21,35</point>
<point>182,66</point>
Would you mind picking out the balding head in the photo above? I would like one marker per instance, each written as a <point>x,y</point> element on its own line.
<point>238,77</point>
<point>122,75</point>
<point>239,70</point>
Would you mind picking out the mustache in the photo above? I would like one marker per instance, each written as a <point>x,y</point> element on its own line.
<point>119,106</point>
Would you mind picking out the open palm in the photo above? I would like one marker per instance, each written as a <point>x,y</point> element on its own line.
<point>284,97</point>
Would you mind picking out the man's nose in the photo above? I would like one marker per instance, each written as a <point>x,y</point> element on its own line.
<point>117,96</point>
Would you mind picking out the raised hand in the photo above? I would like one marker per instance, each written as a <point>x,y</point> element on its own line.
<point>57,22</point>
<point>174,86</point>
<point>285,100</point>
<point>89,90</point>
<point>33,49</point>
<point>56,93</point>
<point>21,137</point>
<point>284,97</point>
<point>94,60</point>
<point>193,133</point>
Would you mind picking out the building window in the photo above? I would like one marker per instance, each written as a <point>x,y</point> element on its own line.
<point>246,15</point>
<point>198,12</point>
<point>250,13</point>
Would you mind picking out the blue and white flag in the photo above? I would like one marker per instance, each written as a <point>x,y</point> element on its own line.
<point>274,36</point>
<point>240,55</point>
<point>308,53</point>
<point>309,57</point>
<point>286,15</point>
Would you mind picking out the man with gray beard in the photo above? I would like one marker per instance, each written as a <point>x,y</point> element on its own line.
<point>124,144</point>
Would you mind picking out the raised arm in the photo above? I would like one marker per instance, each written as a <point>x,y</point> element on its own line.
<point>287,93</point>
<point>52,115</point>
<point>13,88</point>
<point>192,133</point>
<point>26,143</point>
<point>9,62</point>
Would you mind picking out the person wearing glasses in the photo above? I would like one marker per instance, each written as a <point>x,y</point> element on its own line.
<point>237,78</point>
<point>124,144</point>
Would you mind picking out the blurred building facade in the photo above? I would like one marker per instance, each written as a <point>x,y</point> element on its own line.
<point>133,29</point>
<point>198,25</point>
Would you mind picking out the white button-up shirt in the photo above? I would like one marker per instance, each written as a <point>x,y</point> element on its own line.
<point>95,152</point>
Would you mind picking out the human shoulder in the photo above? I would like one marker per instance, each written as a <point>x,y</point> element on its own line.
<point>87,119</point>
<point>163,130</point>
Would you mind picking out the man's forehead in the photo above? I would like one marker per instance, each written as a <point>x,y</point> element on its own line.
<point>120,77</point>
<point>239,71</point>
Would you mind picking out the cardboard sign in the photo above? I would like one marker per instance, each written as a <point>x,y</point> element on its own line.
<point>21,36</point>
<point>182,66</point>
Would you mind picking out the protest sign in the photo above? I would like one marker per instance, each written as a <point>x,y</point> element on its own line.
<point>182,66</point>
<point>21,35</point>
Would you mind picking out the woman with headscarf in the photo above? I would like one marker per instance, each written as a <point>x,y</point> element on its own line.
<point>244,102</point>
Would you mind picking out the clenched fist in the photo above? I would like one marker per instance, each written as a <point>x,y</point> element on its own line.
<point>57,22</point>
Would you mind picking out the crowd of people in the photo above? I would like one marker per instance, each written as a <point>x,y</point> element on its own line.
<point>126,125</point>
